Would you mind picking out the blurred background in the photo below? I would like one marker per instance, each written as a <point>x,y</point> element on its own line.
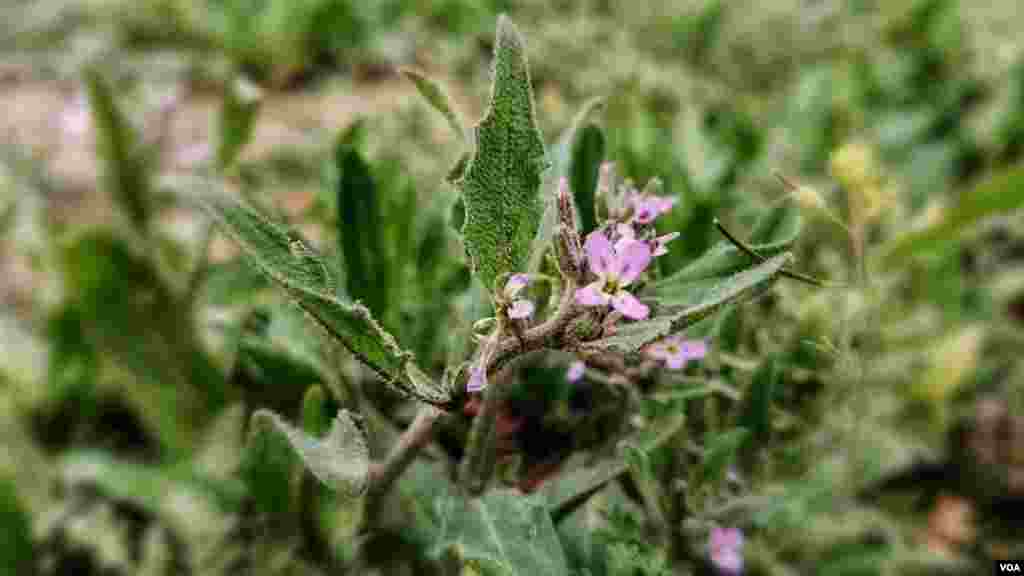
<point>135,343</point>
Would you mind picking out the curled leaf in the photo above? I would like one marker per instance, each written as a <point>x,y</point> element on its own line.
<point>340,460</point>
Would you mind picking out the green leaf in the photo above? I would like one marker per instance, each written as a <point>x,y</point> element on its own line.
<point>756,410</point>
<point>588,152</point>
<point>501,182</point>
<point>720,451</point>
<point>16,551</point>
<point>340,460</point>
<point>561,167</point>
<point>286,259</point>
<point>503,531</point>
<point>677,305</point>
<point>124,167</point>
<point>360,230</point>
<point>437,97</point>
<point>236,120</point>
<point>1003,193</point>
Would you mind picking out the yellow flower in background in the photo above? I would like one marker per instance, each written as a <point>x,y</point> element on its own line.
<point>855,166</point>
<point>951,362</point>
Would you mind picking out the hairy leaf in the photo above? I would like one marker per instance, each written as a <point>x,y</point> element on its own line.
<point>503,531</point>
<point>677,306</point>
<point>287,260</point>
<point>124,169</point>
<point>340,460</point>
<point>434,94</point>
<point>587,154</point>
<point>502,178</point>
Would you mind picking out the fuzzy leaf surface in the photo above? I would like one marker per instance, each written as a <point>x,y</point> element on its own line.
<point>340,460</point>
<point>500,184</point>
<point>287,260</point>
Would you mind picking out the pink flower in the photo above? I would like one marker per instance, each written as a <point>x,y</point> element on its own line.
<point>726,550</point>
<point>626,233</point>
<point>615,267</point>
<point>675,351</point>
<point>517,307</point>
<point>575,372</point>
<point>647,207</point>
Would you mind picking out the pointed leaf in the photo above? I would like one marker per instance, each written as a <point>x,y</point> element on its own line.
<point>287,260</point>
<point>501,182</point>
<point>561,163</point>
<point>340,460</point>
<point>679,306</point>
<point>360,230</point>
<point>504,531</point>
<point>124,169</point>
<point>433,93</point>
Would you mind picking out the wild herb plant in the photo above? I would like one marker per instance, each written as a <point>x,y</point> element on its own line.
<point>558,291</point>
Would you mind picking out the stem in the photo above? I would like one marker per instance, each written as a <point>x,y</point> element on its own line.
<point>749,251</point>
<point>409,444</point>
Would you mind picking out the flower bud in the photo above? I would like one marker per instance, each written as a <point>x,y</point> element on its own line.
<point>566,209</point>
<point>569,251</point>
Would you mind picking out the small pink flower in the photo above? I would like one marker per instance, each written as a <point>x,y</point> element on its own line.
<point>575,372</point>
<point>518,307</point>
<point>615,267</point>
<point>626,233</point>
<point>726,546</point>
<point>647,207</point>
<point>676,352</point>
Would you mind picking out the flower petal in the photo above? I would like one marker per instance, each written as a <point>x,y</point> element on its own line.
<point>516,282</point>
<point>694,349</point>
<point>575,372</point>
<point>521,309</point>
<point>633,259</point>
<point>675,361</point>
<point>599,252</point>
<point>592,294</point>
<point>629,306</point>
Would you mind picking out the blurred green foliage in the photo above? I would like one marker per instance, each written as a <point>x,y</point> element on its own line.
<point>139,349</point>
